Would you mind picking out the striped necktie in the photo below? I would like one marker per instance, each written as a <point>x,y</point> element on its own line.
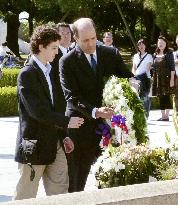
<point>93,62</point>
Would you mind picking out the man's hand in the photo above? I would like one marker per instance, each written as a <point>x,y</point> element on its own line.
<point>75,122</point>
<point>68,145</point>
<point>135,83</point>
<point>104,112</point>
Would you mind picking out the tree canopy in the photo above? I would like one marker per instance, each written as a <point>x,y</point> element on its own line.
<point>144,17</point>
<point>166,15</point>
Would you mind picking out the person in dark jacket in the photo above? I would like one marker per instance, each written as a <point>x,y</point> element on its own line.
<point>82,73</point>
<point>38,149</point>
<point>65,32</point>
<point>163,76</point>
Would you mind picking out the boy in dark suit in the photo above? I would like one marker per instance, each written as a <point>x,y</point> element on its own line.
<point>38,149</point>
<point>82,73</point>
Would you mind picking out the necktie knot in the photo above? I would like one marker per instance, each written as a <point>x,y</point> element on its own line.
<point>93,62</point>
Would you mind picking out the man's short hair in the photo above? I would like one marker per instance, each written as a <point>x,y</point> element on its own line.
<point>109,34</point>
<point>62,24</point>
<point>75,25</point>
<point>43,35</point>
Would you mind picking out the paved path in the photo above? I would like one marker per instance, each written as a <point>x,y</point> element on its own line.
<point>8,168</point>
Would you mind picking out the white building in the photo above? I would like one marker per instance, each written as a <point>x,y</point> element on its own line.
<point>3,31</point>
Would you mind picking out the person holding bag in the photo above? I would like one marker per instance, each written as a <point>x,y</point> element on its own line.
<point>142,62</point>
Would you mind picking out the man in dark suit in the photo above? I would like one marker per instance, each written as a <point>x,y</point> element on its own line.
<point>82,73</point>
<point>65,32</point>
<point>38,149</point>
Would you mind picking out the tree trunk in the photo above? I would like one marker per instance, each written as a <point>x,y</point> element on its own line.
<point>30,23</point>
<point>64,16</point>
<point>12,33</point>
<point>125,23</point>
<point>155,33</point>
<point>149,25</point>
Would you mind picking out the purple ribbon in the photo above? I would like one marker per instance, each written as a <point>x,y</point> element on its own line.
<point>104,130</point>
<point>118,119</point>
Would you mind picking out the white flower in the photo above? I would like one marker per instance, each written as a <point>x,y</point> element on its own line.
<point>174,155</point>
<point>119,166</point>
<point>106,165</point>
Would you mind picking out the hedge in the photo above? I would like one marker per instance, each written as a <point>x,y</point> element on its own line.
<point>9,107</point>
<point>9,77</point>
<point>8,101</point>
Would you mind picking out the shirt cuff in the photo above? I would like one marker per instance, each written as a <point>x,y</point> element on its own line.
<point>94,113</point>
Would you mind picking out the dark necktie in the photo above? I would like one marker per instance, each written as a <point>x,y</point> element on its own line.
<point>93,62</point>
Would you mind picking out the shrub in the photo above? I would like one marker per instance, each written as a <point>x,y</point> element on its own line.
<point>8,101</point>
<point>119,166</point>
<point>9,77</point>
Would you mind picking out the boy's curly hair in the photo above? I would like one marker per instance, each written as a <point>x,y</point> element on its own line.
<point>43,35</point>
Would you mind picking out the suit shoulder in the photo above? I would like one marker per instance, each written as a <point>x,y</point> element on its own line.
<point>26,72</point>
<point>68,56</point>
<point>107,50</point>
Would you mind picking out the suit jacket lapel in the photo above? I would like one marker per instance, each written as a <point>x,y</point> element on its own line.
<point>98,53</point>
<point>53,89</point>
<point>60,54</point>
<point>42,78</point>
<point>99,67</point>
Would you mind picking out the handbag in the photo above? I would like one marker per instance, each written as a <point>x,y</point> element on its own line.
<point>145,84</point>
<point>145,81</point>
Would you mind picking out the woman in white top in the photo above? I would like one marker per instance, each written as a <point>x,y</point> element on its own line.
<point>142,62</point>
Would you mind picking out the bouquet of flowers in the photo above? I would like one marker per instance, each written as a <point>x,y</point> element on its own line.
<point>133,161</point>
<point>117,121</point>
<point>125,101</point>
<point>127,164</point>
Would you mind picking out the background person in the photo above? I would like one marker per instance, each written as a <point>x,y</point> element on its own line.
<point>108,39</point>
<point>142,62</point>
<point>38,149</point>
<point>176,79</point>
<point>163,76</point>
<point>64,47</point>
<point>82,74</point>
<point>6,55</point>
